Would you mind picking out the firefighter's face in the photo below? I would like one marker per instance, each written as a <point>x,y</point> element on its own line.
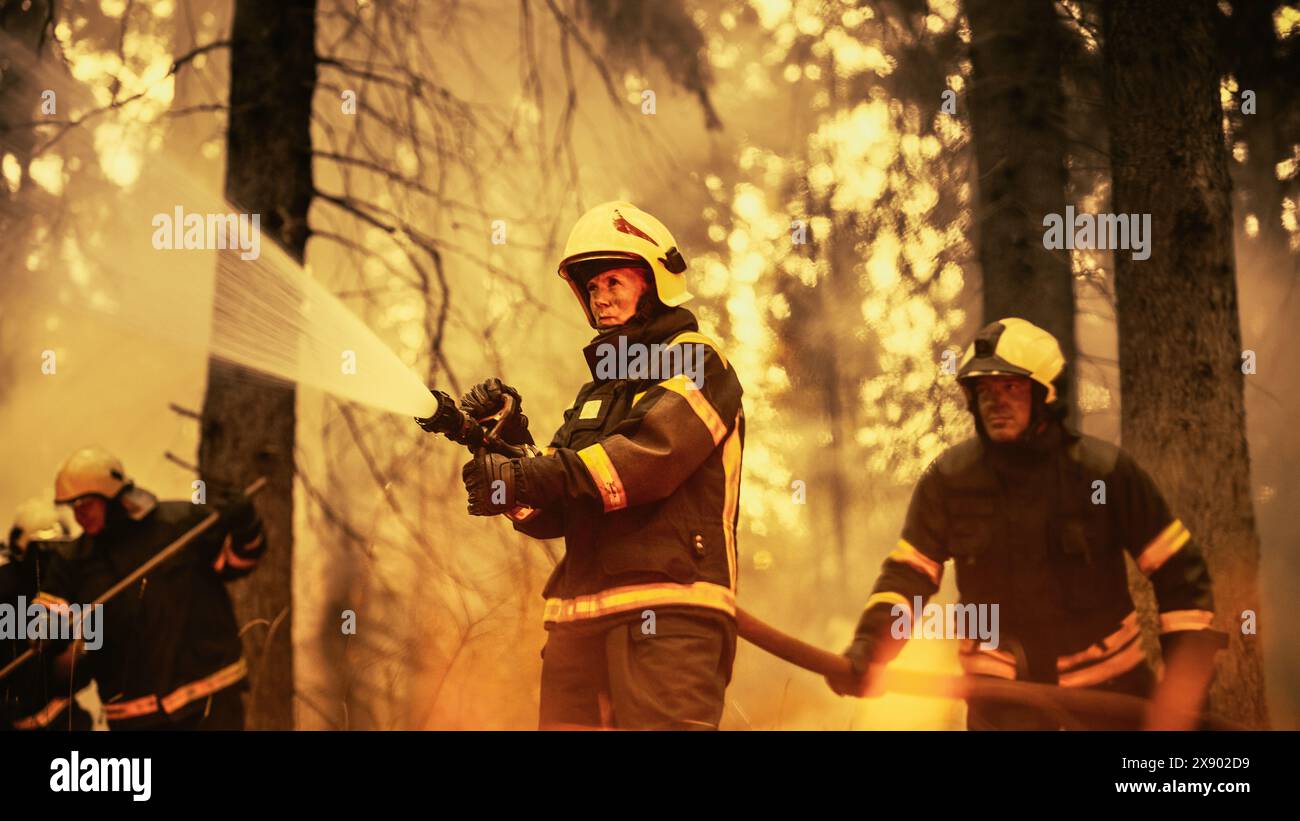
<point>90,512</point>
<point>613,295</point>
<point>1005,403</point>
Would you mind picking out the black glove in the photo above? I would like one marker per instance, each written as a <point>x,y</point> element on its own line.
<point>861,680</point>
<point>491,481</point>
<point>240,517</point>
<point>485,399</point>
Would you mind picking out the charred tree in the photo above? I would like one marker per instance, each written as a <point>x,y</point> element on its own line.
<point>1180,354</point>
<point>248,423</point>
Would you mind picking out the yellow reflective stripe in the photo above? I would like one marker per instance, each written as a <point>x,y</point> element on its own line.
<point>1158,551</point>
<point>605,476</point>
<point>178,698</point>
<point>694,336</point>
<point>975,662</point>
<point>51,602</point>
<point>1116,665</point>
<point>686,389</point>
<point>146,705</point>
<point>44,717</point>
<point>1128,630</point>
<point>973,646</point>
<point>890,598</point>
<point>637,398</point>
<point>1119,652</point>
<point>632,597</point>
<point>906,554</point>
<point>1176,620</point>
<point>731,454</point>
<point>195,690</point>
<point>228,556</point>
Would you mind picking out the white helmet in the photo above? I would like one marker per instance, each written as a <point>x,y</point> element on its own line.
<point>36,520</point>
<point>89,471</point>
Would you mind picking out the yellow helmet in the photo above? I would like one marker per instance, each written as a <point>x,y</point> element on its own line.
<point>89,471</point>
<point>620,230</point>
<point>1016,347</point>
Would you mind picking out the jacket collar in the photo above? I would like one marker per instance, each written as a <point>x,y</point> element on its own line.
<point>131,506</point>
<point>1032,449</point>
<point>659,327</point>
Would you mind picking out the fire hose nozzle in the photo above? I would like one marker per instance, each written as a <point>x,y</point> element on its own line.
<point>449,420</point>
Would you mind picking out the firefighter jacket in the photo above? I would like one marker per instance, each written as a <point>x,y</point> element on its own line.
<point>30,697</point>
<point>171,639</point>
<point>643,479</point>
<point>1041,530</point>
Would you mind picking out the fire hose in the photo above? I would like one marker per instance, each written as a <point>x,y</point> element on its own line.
<point>1117,706</point>
<point>1061,702</point>
<point>140,572</point>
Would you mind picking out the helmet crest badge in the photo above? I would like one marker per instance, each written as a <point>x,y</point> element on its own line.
<point>621,224</point>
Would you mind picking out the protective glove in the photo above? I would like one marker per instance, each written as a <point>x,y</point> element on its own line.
<point>485,399</point>
<point>240,517</point>
<point>491,482</point>
<point>863,678</point>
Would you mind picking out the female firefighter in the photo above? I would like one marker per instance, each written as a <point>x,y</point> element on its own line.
<point>642,480</point>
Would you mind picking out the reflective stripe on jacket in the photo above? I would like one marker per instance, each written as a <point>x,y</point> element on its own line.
<point>1042,532</point>
<point>180,697</point>
<point>174,627</point>
<point>643,482</point>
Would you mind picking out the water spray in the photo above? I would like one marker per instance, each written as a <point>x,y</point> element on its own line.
<point>165,257</point>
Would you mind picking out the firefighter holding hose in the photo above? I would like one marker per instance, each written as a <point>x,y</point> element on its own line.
<point>1037,520</point>
<point>171,656</point>
<point>642,480</point>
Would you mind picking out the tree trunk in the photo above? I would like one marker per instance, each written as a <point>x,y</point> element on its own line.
<point>1183,413</point>
<point>248,424</point>
<point>1017,114</point>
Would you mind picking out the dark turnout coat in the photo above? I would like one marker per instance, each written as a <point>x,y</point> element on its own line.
<point>643,482</point>
<point>1042,532</point>
<point>31,698</point>
<point>171,640</point>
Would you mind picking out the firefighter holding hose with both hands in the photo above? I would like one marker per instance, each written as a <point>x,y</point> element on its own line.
<point>642,480</point>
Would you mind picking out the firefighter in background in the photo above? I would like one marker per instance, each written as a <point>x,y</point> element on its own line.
<point>29,696</point>
<point>1019,511</point>
<point>642,480</point>
<point>171,656</point>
